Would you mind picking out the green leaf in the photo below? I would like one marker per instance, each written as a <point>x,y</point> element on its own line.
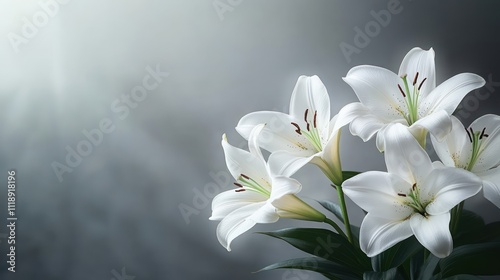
<point>335,209</point>
<point>329,269</point>
<point>470,228</point>
<point>427,270</point>
<point>463,277</point>
<point>324,244</point>
<point>391,274</point>
<point>396,255</point>
<point>491,232</point>
<point>477,259</point>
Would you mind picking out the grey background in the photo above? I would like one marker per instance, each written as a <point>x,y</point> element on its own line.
<point>120,207</point>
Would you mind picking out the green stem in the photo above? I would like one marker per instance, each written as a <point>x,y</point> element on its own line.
<point>343,207</point>
<point>455,218</point>
<point>335,226</point>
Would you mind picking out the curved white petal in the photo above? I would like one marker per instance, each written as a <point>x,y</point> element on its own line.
<point>489,154</point>
<point>377,89</point>
<point>366,126</point>
<point>331,152</point>
<point>446,187</point>
<point>433,233</point>
<point>278,134</point>
<point>491,185</point>
<point>228,201</point>
<point>378,234</point>
<point>349,112</point>
<point>455,150</point>
<point>253,142</point>
<point>282,186</point>
<point>450,93</point>
<point>236,223</point>
<point>240,161</point>
<point>311,94</point>
<point>404,156</point>
<point>286,164</point>
<point>438,124</point>
<point>378,194</point>
<point>418,60</point>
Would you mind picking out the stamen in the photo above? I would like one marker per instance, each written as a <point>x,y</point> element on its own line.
<point>421,83</point>
<point>468,133</point>
<point>238,185</point>
<point>414,187</point>
<point>315,115</point>
<point>239,190</point>
<point>305,115</point>
<point>486,135</point>
<point>415,79</point>
<point>482,134</point>
<point>308,127</point>
<point>244,176</point>
<point>471,131</point>
<point>403,76</point>
<point>298,128</point>
<point>401,90</point>
<point>402,194</point>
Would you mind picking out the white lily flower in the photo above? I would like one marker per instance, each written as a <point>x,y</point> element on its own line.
<point>476,149</point>
<point>409,97</point>
<point>259,197</point>
<point>412,198</point>
<point>305,135</point>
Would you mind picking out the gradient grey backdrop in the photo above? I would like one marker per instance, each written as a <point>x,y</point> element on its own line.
<point>120,207</point>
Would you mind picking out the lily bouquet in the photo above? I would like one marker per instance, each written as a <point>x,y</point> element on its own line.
<point>415,225</point>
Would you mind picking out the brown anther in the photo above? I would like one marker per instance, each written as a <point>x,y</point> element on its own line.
<point>471,131</point>
<point>401,90</point>
<point>298,128</point>
<point>482,134</point>
<point>315,115</point>
<point>470,136</point>
<point>414,186</point>
<point>305,115</point>
<point>415,79</point>
<point>245,176</point>
<point>239,190</point>
<point>421,83</point>
<point>238,185</point>
<point>402,194</point>
<point>308,127</point>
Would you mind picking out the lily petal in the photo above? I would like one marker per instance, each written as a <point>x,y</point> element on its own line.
<point>418,60</point>
<point>489,155</point>
<point>366,126</point>
<point>283,185</point>
<point>236,223</point>
<point>292,207</point>
<point>450,93</point>
<point>226,202</point>
<point>437,123</point>
<point>433,233</point>
<point>377,89</point>
<point>278,134</point>
<point>286,163</point>
<point>311,94</point>
<point>378,234</point>
<point>331,153</point>
<point>377,193</point>
<point>349,112</point>
<point>404,156</point>
<point>455,151</point>
<point>239,161</point>
<point>253,142</point>
<point>491,185</point>
<point>447,187</point>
